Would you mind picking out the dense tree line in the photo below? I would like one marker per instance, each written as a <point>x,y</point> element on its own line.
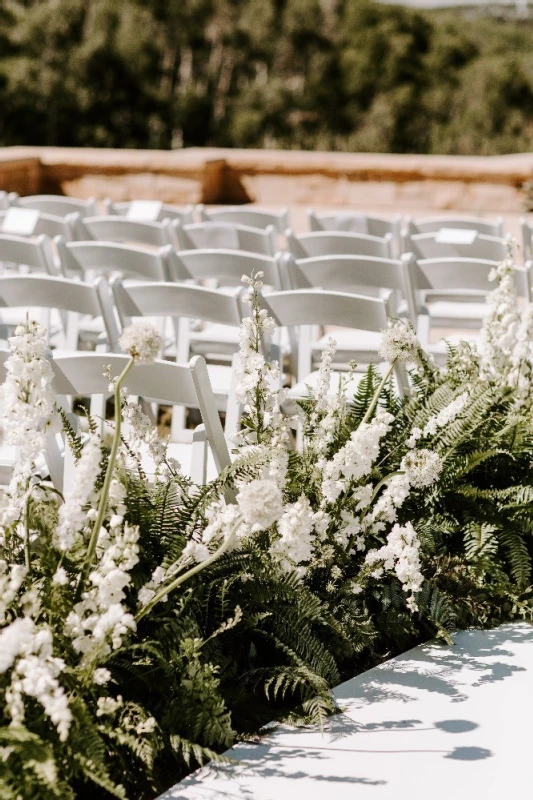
<point>312,74</point>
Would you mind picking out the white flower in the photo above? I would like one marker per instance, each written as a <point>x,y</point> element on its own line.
<point>73,516</point>
<point>105,706</point>
<point>29,651</point>
<point>356,458</point>
<point>401,554</point>
<point>142,341</point>
<point>295,527</point>
<point>147,726</point>
<point>422,467</point>
<point>197,551</point>
<point>260,503</point>
<point>11,579</point>
<point>60,577</point>
<point>101,676</point>
<point>399,343</point>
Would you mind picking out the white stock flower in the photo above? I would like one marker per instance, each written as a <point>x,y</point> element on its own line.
<point>399,343</point>
<point>448,414</point>
<point>401,554</point>
<point>295,544</point>
<point>73,517</point>
<point>101,676</point>
<point>422,467</point>
<point>60,577</point>
<point>106,706</point>
<point>142,341</point>
<point>260,503</point>
<point>28,650</point>
<point>11,579</point>
<point>356,458</point>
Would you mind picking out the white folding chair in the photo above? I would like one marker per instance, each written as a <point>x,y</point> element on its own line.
<point>366,275</point>
<point>78,301</point>
<point>305,309</point>
<point>89,259</point>
<point>332,243</point>
<point>435,224</point>
<point>24,254</point>
<point>149,211</point>
<point>4,200</point>
<point>222,268</point>
<point>57,205</point>
<point>121,229</point>
<point>165,383</point>
<point>453,243</point>
<point>451,294</point>
<point>223,236</point>
<point>247,215</point>
<point>48,225</point>
<point>180,303</point>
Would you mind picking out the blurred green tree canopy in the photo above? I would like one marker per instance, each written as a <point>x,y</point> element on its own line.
<point>307,74</point>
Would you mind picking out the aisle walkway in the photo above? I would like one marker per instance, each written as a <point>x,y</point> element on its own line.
<point>439,723</point>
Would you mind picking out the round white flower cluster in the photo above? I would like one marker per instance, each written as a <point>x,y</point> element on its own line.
<point>399,343</point>
<point>422,467</point>
<point>440,420</point>
<point>142,341</point>
<point>28,651</point>
<point>73,517</point>
<point>356,458</point>
<point>296,542</point>
<point>401,554</point>
<point>260,503</point>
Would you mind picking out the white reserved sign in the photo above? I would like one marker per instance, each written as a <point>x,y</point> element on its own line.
<point>456,236</point>
<point>144,210</point>
<point>20,221</point>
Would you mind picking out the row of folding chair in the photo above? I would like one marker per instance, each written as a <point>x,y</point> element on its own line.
<point>154,223</point>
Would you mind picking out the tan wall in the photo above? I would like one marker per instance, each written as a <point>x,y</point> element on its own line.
<point>392,182</point>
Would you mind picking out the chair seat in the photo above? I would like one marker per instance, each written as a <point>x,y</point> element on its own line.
<point>215,339</point>
<point>351,343</point>
<point>448,313</point>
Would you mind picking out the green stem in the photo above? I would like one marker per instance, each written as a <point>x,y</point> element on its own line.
<point>377,393</point>
<point>102,505</point>
<point>166,590</point>
<point>27,551</point>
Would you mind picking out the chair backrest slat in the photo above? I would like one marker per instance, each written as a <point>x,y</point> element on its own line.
<point>456,274</point>
<point>218,235</point>
<point>185,215</point>
<point>147,299</point>
<point>34,253</point>
<point>332,243</point>
<point>428,245</point>
<point>308,307</point>
<point>56,204</point>
<point>109,257</point>
<point>352,222</point>
<point>435,224</point>
<point>120,229</point>
<point>225,266</point>
<point>247,215</point>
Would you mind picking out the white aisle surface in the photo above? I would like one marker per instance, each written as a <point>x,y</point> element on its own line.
<point>438,722</point>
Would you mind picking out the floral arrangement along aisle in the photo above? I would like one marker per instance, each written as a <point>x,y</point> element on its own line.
<point>144,623</point>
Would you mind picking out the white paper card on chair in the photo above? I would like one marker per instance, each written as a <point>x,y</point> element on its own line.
<point>20,221</point>
<point>144,210</point>
<point>456,236</point>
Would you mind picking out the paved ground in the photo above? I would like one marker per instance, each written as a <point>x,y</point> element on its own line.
<point>438,722</point>
<point>520,4</point>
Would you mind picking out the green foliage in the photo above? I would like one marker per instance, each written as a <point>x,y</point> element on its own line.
<point>300,74</point>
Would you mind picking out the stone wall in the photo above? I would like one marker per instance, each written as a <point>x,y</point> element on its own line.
<point>395,183</point>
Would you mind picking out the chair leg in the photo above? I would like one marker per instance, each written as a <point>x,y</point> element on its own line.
<point>199,456</point>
